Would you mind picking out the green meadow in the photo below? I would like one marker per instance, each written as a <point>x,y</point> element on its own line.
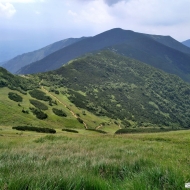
<point>90,160</point>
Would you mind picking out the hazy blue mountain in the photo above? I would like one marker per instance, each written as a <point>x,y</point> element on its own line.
<point>11,48</point>
<point>162,52</point>
<point>171,42</point>
<point>19,61</point>
<point>186,43</point>
<point>1,63</point>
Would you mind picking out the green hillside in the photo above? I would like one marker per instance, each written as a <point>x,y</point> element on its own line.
<point>138,95</point>
<point>24,102</point>
<point>14,82</point>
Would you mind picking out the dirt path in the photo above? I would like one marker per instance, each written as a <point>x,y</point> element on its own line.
<point>73,114</point>
<point>98,127</point>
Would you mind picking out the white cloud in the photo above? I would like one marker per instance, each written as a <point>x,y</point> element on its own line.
<point>17,1</point>
<point>7,10</point>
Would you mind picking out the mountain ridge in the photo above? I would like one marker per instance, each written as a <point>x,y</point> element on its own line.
<point>19,61</point>
<point>174,59</point>
<point>186,43</point>
<point>108,84</point>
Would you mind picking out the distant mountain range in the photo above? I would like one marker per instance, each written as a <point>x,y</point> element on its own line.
<point>162,52</point>
<point>187,43</point>
<point>20,61</point>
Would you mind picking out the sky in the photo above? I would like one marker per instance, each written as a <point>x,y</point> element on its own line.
<point>31,24</point>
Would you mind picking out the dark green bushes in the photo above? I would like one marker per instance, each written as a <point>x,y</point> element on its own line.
<point>38,94</point>
<point>59,112</point>
<point>37,129</point>
<point>80,120</point>
<point>142,130</point>
<point>39,114</point>
<point>15,97</point>
<point>38,104</point>
<point>96,130</point>
<point>70,130</point>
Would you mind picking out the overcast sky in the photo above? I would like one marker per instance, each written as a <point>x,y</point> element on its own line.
<point>45,21</point>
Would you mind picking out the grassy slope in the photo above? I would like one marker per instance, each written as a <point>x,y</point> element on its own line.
<point>118,87</point>
<point>90,161</point>
<point>11,114</point>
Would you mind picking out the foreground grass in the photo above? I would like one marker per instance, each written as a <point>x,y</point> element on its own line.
<point>85,160</point>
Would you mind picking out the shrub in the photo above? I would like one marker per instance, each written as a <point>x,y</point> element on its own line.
<point>59,112</point>
<point>39,114</point>
<point>96,130</point>
<point>142,130</point>
<point>37,129</point>
<point>38,104</point>
<point>38,94</point>
<point>15,97</point>
<point>70,130</point>
<point>25,111</point>
<point>79,119</point>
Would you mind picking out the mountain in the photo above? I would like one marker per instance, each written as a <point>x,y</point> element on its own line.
<point>152,49</point>
<point>24,102</point>
<point>19,61</point>
<point>124,89</point>
<point>14,82</point>
<point>170,42</point>
<point>156,54</point>
<point>1,63</point>
<point>186,43</point>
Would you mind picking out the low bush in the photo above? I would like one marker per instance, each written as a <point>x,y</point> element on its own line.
<point>39,114</point>
<point>99,131</point>
<point>70,130</point>
<point>80,120</point>
<point>37,129</point>
<point>15,97</point>
<point>38,94</point>
<point>142,130</point>
<point>38,104</point>
<point>58,112</point>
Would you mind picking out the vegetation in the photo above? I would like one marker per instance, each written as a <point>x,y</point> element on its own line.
<point>70,130</point>
<point>78,161</point>
<point>143,130</point>
<point>37,129</point>
<point>15,97</point>
<point>80,120</point>
<point>135,94</point>
<point>14,82</point>
<point>38,104</point>
<point>39,114</point>
<point>59,112</point>
<point>38,94</point>
<point>97,130</point>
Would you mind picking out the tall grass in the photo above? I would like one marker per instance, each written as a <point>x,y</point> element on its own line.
<point>77,161</point>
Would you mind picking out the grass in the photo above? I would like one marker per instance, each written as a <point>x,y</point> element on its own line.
<point>88,160</point>
<point>11,113</point>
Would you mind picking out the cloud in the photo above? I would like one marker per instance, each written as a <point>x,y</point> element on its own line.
<point>17,1</point>
<point>112,2</point>
<point>7,10</point>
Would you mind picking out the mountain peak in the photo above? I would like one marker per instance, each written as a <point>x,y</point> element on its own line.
<point>186,43</point>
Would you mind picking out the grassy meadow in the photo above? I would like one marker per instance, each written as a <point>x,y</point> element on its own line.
<point>90,160</point>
